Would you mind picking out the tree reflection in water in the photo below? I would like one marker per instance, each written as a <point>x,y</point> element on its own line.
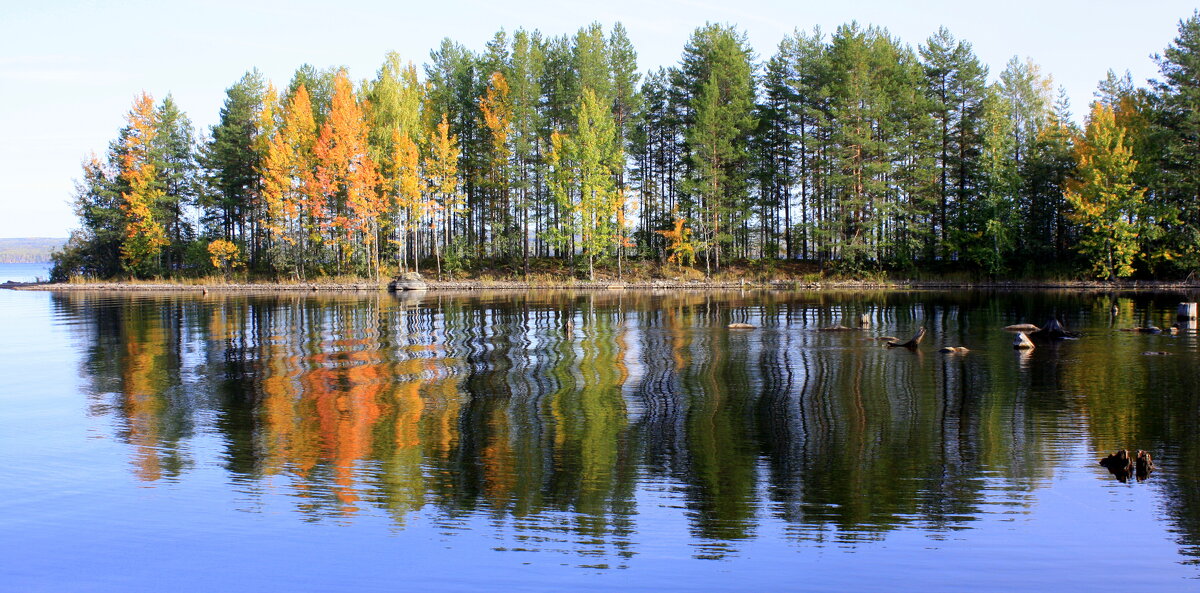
<point>548,412</point>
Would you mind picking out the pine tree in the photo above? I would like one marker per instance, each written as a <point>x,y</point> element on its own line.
<point>233,160</point>
<point>718,76</point>
<point>1178,130</point>
<point>174,155</point>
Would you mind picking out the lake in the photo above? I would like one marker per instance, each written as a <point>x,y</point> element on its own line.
<point>24,272</point>
<point>549,441</point>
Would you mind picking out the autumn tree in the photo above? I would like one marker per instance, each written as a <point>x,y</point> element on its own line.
<point>293,210</point>
<point>495,108</point>
<point>441,170</point>
<point>144,236</point>
<point>1103,198</point>
<point>349,178</point>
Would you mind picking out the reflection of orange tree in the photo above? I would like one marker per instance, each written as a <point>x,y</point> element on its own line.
<point>346,387</point>
<point>145,376</point>
<point>326,413</point>
<point>143,405</point>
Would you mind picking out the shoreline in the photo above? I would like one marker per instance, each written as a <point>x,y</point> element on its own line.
<point>479,285</point>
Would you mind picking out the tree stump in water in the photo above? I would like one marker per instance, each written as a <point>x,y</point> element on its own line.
<point>864,321</point>
<point>911,344</point>
<point>1186,311</point>
<point>1122,465</point>
<point>1052,330</point>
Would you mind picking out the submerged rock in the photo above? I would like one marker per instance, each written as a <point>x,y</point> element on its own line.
<point>1022,342</point>
<point>954,350</point>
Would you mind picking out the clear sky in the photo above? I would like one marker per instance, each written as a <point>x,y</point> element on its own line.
<point>69,70</point>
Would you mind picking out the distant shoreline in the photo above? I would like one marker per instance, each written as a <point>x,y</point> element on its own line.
<point>476,285</point>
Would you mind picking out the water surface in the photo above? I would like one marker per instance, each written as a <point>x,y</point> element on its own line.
<point>592,441</point>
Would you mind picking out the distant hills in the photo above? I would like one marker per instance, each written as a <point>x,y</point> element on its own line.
<point>28,250</point>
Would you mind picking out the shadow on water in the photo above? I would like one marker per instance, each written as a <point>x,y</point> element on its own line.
<point>554,413</point>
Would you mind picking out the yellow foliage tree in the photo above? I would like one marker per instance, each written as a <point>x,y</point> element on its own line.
<point>441,169</point>
<point>680,244</point>
<point>224,255</point>
<point>1103,198</point>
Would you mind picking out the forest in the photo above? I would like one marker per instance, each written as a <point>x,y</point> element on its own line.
<point>853,153</point>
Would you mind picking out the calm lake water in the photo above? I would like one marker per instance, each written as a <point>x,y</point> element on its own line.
<point>24,272</point>
<point>591,441</point>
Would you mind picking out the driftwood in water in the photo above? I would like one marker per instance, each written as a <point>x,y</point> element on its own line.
<point>1052,330</point>
<point>740,326</point>
<point>1022,327</point>
<point>1122,465</point>
<point>1149,329</point>
<point>954,350</point>
<point>837,328</point>
<point>1156,353</point>
<point>911,344</point>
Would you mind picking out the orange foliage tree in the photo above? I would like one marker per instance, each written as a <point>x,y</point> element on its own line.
<point>144,237</point>
<point>348,179</point>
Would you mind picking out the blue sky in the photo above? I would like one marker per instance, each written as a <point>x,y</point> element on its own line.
<point>69,70</point>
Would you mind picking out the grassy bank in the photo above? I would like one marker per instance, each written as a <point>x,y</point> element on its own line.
<point>555,274</point>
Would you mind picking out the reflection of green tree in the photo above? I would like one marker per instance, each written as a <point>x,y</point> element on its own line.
<point>586,415</point>
<point>721,454</point>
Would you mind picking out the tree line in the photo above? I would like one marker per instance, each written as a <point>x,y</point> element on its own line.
<point>850,150</point>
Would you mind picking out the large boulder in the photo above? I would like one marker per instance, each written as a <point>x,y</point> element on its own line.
<point>407,281</point>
